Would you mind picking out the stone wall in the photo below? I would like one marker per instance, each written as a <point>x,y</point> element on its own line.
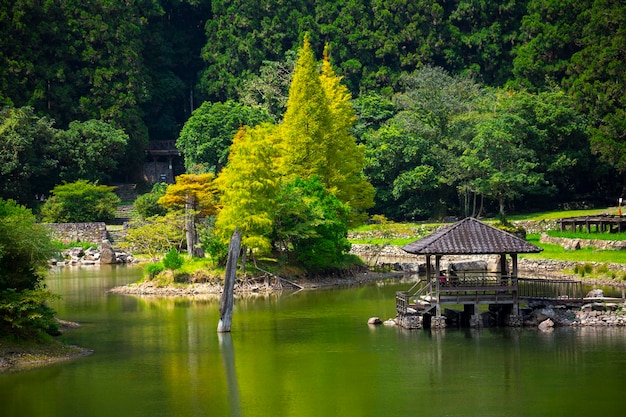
<point>78,232</point>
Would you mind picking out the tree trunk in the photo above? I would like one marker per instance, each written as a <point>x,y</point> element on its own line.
<point>226,303</point>
<point>193,242</point>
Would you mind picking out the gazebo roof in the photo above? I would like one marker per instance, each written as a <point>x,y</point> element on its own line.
<point>470,237</point>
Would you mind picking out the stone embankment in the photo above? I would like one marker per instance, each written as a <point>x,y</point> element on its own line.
<point>78,232</point>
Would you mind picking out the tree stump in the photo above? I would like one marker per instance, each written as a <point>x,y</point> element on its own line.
<point>226,303</point>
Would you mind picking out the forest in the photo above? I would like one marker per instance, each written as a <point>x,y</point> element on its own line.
<point>460,107</point>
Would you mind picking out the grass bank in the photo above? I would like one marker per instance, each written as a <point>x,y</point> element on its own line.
<point>17,355</point>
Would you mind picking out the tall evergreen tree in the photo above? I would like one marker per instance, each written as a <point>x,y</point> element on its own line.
<point>305,127</point>
<point>345,159</point>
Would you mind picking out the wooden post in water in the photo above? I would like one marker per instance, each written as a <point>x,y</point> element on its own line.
<point>226,304</point>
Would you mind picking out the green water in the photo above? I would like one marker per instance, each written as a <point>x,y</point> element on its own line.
<point>305,354</point>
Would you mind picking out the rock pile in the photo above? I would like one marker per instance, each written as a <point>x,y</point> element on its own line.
<point>105,254</point>
<point>597,314</point>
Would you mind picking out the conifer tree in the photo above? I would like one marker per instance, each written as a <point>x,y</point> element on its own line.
<point>306,124</point>
<point>248,186</point>
<point>345,158</point>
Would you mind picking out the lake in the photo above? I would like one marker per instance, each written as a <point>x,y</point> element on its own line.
<point>303,354</point>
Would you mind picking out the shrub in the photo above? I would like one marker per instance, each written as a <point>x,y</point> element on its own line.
<point>80,201</point>
<point>154,269</point>
<point>173,260</point>
<point>156,235</point>
<point>147,205</point>
<point>212,244</point>
<point>24,251</point>
<point>25,313</point>
<point>602,269</point>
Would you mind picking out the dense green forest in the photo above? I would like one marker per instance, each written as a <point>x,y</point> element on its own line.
<point>461,106</point>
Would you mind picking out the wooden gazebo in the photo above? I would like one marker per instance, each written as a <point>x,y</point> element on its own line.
<point>470,288</point>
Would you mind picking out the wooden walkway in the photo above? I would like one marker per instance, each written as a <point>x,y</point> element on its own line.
<point>600,224</point>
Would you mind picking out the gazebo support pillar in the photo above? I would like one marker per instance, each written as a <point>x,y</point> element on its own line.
<point>515,319</point>
<point>476,320</point>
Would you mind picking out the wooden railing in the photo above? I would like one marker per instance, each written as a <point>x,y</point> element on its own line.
<point>476,281</point>
<point>552,289</point>
<point>421,287</point>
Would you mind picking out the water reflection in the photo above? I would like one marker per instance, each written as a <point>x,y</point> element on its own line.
<point>228,359</point>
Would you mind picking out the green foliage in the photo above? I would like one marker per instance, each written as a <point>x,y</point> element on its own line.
<point>80,201</point>
<point>269,89</point>
<point>213,245</point>
<point>207,135</point>
<point>310,224</point>
<point>24,251</point>
<point>142,68</point>
<point>146,205</point>
<point>153,269</point>
<point>248,186</point>
<point>25,163</point>
<point>505,168</point>
<point>156,235</point>
<point>307,122</point>
<point>25,313</point>
<point>173,260</point>
<point>89,150</point>
<point>25,248</point>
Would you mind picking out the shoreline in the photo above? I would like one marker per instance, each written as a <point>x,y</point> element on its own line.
<point>18,356</point>
<point>256,285</point>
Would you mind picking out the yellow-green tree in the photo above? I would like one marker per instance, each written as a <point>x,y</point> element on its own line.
<point>248,186</point>
<point>197,195</point>
<point>316,134</point>
<point>306,124</point>
<point>345,158</point>
<point>313,145</point>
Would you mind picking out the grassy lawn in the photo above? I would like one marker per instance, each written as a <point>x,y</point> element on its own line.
<point>558,253</point>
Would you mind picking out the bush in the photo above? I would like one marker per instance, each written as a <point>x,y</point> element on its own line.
<point>173,260</point>
<point>25,313</point>
<point>80,201</point>
<point>147,204</point>
<point>154,269</point>
<point>212,244</point>
<point>24,252</point>
<point>156,235</point>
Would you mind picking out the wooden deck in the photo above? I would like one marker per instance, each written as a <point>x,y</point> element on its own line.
<point>600,224</point>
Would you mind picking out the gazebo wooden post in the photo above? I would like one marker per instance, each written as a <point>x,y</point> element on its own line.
<point>437,280</point>
<point>515,319</point>
<point>503,267</point>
